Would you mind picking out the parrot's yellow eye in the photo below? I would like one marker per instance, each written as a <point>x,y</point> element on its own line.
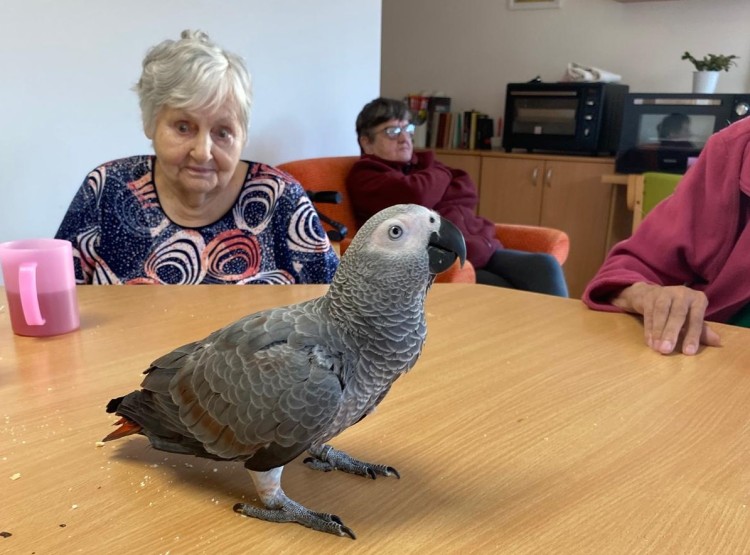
<point>395,231</point>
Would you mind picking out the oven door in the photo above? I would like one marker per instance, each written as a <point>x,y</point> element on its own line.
<point>552,118</point>
<point>666,132</point>
<point>544,113</point>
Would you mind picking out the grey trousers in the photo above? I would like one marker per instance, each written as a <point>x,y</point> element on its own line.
<point>529,271</point>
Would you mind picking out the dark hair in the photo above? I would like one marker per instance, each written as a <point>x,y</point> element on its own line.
<point>378,111</point>
<point>673,123</point>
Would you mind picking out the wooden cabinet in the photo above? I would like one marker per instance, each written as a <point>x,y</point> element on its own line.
<point>564,192</point>
<point>512,190</point>
<point>470,164</point>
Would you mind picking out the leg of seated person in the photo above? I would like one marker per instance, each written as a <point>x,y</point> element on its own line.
<point>485,277</point>
<point>529,271</point>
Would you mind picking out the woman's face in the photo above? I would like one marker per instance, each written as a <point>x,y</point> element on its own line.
<point>198,151</point>
<point>388,145</point>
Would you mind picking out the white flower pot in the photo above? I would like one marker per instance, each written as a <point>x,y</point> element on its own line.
<point>705,81</point>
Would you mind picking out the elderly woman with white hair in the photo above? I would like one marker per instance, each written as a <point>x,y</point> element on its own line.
<point>195,212</point>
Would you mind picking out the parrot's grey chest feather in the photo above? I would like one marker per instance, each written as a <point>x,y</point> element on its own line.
<point>382,342</point>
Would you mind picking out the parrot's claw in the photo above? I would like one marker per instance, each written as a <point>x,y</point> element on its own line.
<point>317,464</point>
<point>291,511</point>
<point>326,458</point>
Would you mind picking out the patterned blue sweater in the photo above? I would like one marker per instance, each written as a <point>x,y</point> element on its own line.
<point>120,233</point>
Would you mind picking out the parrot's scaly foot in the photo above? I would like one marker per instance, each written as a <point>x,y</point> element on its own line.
<point>326,458</point>
<point>291,511</point>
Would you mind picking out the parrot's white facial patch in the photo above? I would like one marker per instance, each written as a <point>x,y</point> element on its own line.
<point>406,231</point>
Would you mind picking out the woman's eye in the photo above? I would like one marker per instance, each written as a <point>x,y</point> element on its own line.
<point>223,134</point>
<point>395,231</point>
<point>182,127</point>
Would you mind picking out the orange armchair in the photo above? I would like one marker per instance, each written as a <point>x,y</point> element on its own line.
<point>533,238</point>
<point>329,174</point>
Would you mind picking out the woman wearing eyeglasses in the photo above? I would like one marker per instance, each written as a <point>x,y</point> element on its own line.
<point>390,172</point>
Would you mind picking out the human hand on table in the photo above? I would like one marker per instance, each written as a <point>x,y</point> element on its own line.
<point>669,313</point>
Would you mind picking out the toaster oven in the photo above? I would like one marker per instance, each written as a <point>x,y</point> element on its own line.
<point>582,118</point>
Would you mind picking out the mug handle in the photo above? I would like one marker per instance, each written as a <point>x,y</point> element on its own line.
<point>29,296</point>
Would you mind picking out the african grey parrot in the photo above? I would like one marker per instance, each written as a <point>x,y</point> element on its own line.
<point>286,380</point>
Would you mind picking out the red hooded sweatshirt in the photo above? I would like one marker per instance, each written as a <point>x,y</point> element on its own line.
<point>374,183</point>
<point>697,237</point>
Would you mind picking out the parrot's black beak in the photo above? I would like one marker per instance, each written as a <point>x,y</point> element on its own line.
<point>445,246</point>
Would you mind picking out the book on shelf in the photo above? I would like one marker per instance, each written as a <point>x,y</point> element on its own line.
<point>476,132</point>
<point>432,126</point>
<point>436,105</point>
<point>473,130</point>
<point>440,132</point>
<point>483,133</point>
<point>458,131</point>
<point>470,129</point>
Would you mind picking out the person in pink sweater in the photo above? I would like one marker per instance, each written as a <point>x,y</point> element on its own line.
<point>390,172</point>
<point>688,262</point>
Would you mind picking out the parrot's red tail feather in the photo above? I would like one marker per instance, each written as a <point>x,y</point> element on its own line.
<point>127,427</point>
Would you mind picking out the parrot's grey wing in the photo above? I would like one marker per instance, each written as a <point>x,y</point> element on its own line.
<point>160,373</point>
<point>257,390</point>
<point>253,332</point>
<point>174,359</point>
<point>153,410</point>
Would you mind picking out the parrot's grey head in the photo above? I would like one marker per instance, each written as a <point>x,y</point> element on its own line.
<point>403,242</point>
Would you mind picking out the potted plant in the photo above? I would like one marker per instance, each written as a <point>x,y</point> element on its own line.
<point>707,70</point>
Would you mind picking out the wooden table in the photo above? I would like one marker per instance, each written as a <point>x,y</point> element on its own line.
<point>530,425</point>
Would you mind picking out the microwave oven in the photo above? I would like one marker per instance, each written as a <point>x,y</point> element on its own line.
<point>576,118</point>
<point>665,132</point>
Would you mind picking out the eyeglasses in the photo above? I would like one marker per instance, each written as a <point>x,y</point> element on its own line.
<point>394,132</point>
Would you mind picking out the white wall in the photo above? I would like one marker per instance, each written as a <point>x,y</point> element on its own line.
<point>66,69</point>
<point>471,49</point>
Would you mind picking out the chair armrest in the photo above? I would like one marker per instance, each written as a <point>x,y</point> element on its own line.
<point>534,239</point>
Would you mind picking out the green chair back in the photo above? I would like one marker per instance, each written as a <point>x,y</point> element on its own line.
<point>742,318</point>
<point>656,187</point>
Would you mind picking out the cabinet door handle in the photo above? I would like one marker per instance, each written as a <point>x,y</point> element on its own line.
<point>534,175</point>
<point>548,177</point>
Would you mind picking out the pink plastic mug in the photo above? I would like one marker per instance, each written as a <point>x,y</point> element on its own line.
<point>41,287</point>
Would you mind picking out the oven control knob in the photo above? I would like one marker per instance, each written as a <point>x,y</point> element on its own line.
<point>742,108</point>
